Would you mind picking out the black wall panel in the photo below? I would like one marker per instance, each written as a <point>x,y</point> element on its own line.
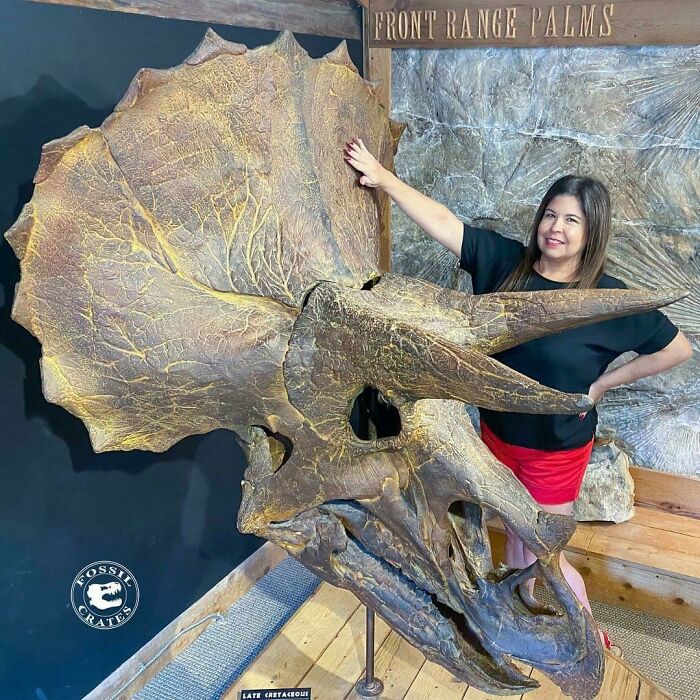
<point>169,518</point>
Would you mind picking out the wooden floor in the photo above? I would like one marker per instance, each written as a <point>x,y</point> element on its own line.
<point>322,647</point>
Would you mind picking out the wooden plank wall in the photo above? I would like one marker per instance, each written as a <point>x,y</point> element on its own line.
<point>673,493</point>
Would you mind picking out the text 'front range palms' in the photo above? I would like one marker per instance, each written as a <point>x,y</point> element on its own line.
<point>205,260</point>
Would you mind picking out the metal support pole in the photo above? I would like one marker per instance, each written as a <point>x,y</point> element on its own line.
<point>369,686</point>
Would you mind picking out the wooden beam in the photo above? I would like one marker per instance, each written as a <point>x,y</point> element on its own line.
<point>377,67</point>
<point>336,18</point>
<point>136,671</point>
<point>673,493</point>
<point>478,23</point>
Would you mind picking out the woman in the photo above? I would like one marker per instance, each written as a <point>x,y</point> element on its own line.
<point>566,249</point>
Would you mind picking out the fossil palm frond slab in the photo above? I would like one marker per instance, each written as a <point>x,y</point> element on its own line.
<point>488,146</point>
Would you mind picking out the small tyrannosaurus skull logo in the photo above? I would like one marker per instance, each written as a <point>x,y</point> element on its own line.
<point>104,594</point>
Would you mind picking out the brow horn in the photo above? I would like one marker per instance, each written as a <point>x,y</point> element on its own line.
<point>491,323</point>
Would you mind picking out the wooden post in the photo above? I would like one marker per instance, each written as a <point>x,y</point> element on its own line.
<point>377,67</point>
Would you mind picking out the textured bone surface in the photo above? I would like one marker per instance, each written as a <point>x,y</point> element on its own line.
<point>205,259</point>
<point>488,130</point>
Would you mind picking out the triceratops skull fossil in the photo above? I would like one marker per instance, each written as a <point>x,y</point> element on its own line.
<point>205,259</point>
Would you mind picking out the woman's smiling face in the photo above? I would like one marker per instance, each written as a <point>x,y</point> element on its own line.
<point>562,233</point>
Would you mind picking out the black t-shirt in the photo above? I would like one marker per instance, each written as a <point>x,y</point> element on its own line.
<point>569,360</point>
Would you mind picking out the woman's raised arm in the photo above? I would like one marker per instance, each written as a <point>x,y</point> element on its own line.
<point>434,218</point>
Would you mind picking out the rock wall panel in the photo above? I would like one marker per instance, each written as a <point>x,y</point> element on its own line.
<point>490,129</point>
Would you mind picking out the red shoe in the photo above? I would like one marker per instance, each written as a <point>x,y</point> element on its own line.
<point>612,648</point>
<point>606,640</point>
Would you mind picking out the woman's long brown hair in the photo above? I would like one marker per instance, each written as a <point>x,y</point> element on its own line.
<point>594,200</point>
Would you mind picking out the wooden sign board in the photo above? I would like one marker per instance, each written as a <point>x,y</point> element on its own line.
<point>474,23</point>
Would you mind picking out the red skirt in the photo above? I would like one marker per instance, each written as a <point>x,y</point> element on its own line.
<point>551,477</point>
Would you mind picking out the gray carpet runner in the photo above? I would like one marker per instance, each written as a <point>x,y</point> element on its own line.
<point>666,652</point>
<point>219,655</point>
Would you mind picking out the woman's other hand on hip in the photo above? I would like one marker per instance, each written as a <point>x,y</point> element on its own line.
<point>595,393</point>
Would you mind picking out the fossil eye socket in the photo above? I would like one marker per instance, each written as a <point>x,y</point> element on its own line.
<point>373,416</point>
<point>281,448</point>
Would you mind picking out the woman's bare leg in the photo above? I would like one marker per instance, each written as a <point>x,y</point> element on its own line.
<point>573,578</point>
<point>514,554</point>
<point>518,556</point>
<point>521,557</point>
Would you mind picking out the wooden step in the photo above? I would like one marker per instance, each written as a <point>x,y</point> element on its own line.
<point>650,563</point>
<point>673,493</point>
